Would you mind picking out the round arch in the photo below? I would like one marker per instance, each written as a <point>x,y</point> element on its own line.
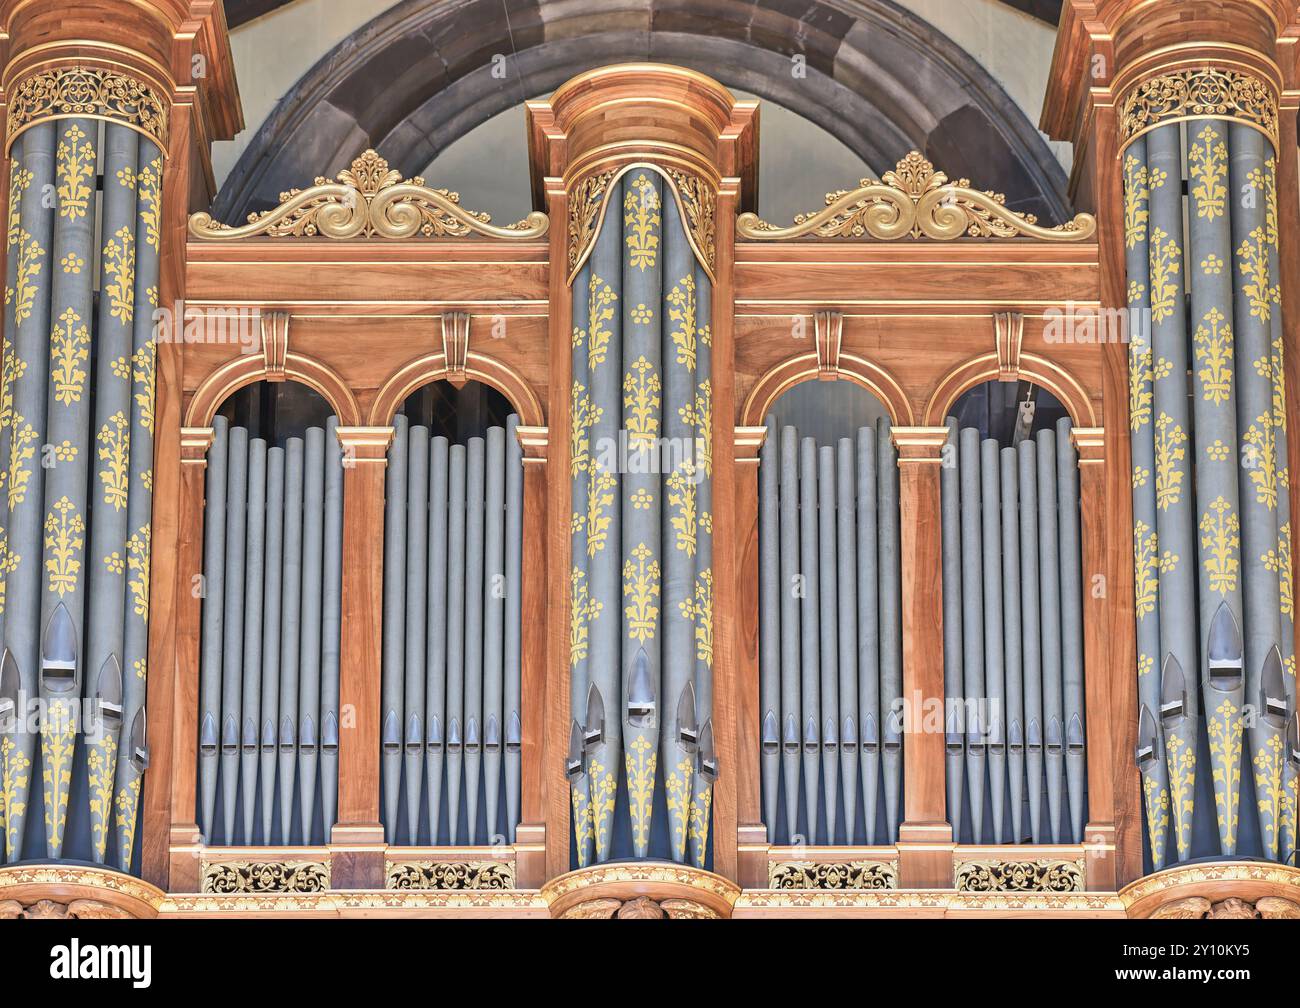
<point>860,61</point>
<point>794,370</point>
<point>1033,368</point>
<point>433,367</point>
<point>228,379</point>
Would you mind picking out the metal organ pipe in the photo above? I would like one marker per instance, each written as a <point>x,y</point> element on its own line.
<point>891,625</point>
<point>994,667</point>
<point>290,624</point>
<point>415,630</point>
<point>1011,640</point>
<point>331,623</point>
<point>869,616</point>
<point>1067,487</point>
<point>455,635</point>
<point>1049,597</point>
<point>1030,622</point>
<point>512,690</point>
<point>233,641</point>
<point>828,645</point>
<point>272,594</point>
<point>494,584</point>
<point>473,631</point>
<point>791,693</point>
<point>972,555</point>
<point>435,693</point>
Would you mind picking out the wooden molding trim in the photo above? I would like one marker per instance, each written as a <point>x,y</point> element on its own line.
<point>195,442</point>
<point>235,374</point>
<point>748,440</point>
<point>1090,443</point>
<point>1009,336</point>
<point>455,345</point>
<point>365,444</point>
<point>790,372</point>
<point>1033,368</point>
<point>275,344</point>
<point>919,444</point>
<point>433,367</point>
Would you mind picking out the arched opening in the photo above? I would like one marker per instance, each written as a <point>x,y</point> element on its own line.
<point>1013,583</point>
<point>269,664</point>
<point>830,633</point>
<point>450,717</point>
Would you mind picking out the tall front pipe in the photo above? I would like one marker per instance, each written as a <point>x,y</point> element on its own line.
<point>232,651</point>
<point>972,589</point>
<point>474,579</point>
<point>392,716</point>
<point>828,644</point>
<point>290,627</point>
<point>1011,641</point>
<point>214,594</point>
<point>868,559</point>
<point>891,626</point>
<point>456,561</point>
<point>255,574</point>
<point>769,630</point>
<point>273,598</point>
<point>847,555</point>
<point>954,718</point>
<point>789,718</point>
<point>415,634</point>
<point>994,668</point>
<point>1067,488</point>
<point>331,625</point>
<point>309,676</point>
<point>810,633</point>
<point>494,602</point>
<point>1031,640</point>
<point>435,688</point>
<point>513,658</point>
<point>1049,598</point>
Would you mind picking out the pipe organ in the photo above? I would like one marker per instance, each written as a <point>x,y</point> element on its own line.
<point>647,633</point>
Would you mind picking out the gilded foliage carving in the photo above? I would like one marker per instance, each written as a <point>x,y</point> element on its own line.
<point>69,92</point>
<point>74,173</point>
<point>1042,875</point>
<point>641,589</point>
<point>450,875</point>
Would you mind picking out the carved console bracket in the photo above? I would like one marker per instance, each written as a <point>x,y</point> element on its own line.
<point>275,344</point>
<point>455,345</point>
<point>642,889</point>
<point>449,875</point>
<point>829,329</point>
<point>915,201</point>
<point>857,875</point>
<point>1216,890</point>
<point>368,200</point>
<point>1036,875</point>
<point>1009,335</point>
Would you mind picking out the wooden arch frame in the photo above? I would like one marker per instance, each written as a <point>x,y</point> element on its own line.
<point>1033,368</point>
<point>433,367</point>
<point>782,377</point>
<point>241,372</point>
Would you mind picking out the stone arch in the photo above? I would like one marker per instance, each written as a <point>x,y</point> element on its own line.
<point>796,370</point>
<point>432,63</point>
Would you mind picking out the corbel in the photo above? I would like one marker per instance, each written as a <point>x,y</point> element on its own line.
<point>534,442</point>
<point>1009,335</point>
<point>748,441</point>
<point>275,343</point>
<point>829,329</point>
<point>455,345</point>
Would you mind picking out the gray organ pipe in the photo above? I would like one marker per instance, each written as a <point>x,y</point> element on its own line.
<point>954,713</point>
<point>769,632</point>
<point>1020,595</point>
<point>390,733</point>
<point>290,621</point>
<point>456,712</point>
<point>273,547</point>
<point>830,639</point>
<point>233,641</point>
<point>214,553</point>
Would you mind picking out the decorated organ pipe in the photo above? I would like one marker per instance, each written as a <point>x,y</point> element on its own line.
<point>268,577</point>
<point>452,659</point>
<point>834,686</point>
<point>1015,535</point>
<point>1211,493</point>
<point>76,429</point>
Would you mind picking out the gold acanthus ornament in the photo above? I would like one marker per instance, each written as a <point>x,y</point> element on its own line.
<point>1200,93</point>
<point>368,200</point>
<point>915,201</point>
<point>94,92</point>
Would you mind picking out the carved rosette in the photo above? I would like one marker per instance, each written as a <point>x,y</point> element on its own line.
<point>859,875</point>
<point>1200,93</point>
<point>914,200</point>
<point>640,908</point>
<point>67,891</point>
<point>450,875</point>
<point>100,93</point>
<point>227,877</point>
<point>696,196</point>
<point>368,200</point>
<point>1041,875</point>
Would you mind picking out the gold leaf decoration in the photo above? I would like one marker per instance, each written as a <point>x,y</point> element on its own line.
<point>641,588</point>
<point>65,536</point>
<point>1220,541</point>
<point>641,217</point>
<point>69,350</point>
<point>74,173</point>
<point>1202,92</point>
<point>74,92</point>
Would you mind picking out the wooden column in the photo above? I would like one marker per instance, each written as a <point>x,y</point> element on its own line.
<point>530,836</point>
<point>357,840</point>
<point>751,831</point>
<point>182,727</point>
<point>1101,720</point>
<point>925,841</point>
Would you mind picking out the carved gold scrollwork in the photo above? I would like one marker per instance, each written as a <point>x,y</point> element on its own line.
<point>917,201</point>
<point>266,877</point>
<point>1199,93</point>
<point>832,875</point>
<point>447,875</point>
<point>1009,336</point>
<point>696,197</point>
<point>1019,876</point>
<point>368,200</point>
<point>93,92</point>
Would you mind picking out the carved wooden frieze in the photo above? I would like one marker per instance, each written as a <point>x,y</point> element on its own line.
<point>266,877</point>
<point>450,875</point>
<point>1039,875</point>
<point>66,92</point>
<point>832,875</point>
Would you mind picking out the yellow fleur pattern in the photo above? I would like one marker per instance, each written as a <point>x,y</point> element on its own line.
<point>603,791</point>
<point>1207,163</point>
<point>1171,449</point>
<point>699,824</point>
<point>640,761</point>
<point>1221,542</point>
<point>1136,197</point>
<point>58,734</point>
<point>682,312</point>
<point>115,452</point>
<point>677,787</point>
<point>1140,378</point>
<point>1180,756</point>
<point>641,400</point>
<point>641,208</point>
<point>682,494</point>
<point>69,351</point>
<point>1213,341</point>
<point>583,610</point>
<point>65,536</point>
<point>1225,731</point>
<point>74,173</point>
<point>1260,460</point>
<point>1166,272</point>
<point>15,776</point>
<point>699,610</point>
<point>1278,561</point>
<point>1157,805</point>
<point>583,830</point>
<point>1269,792</point>
<point>100,762</point>
<point>137,566</point>
<point>641,589</point>
<point>1146,568</point>
<point>118,266</point>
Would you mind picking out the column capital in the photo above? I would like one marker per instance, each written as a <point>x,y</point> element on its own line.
<point>195,442</point>
<point>365,444</point>
<point>748,441</point>
<point>919,444</point>
<point>534,441</point>
<point>1090,443</point>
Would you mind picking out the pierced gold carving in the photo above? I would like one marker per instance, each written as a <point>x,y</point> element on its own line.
<point>696,197</point>
<point>455,345</point>
<point>1043,875</point>
<point>1009,335</point>
<point>1200,93</point>
<point>368,200</point>
<point>93,92</point>
<point>265,877</point>
<point>449,875</point>
<point>829,329</point>
<point>832,875</point>
<point>917,201</point>
<point>275,344</point>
